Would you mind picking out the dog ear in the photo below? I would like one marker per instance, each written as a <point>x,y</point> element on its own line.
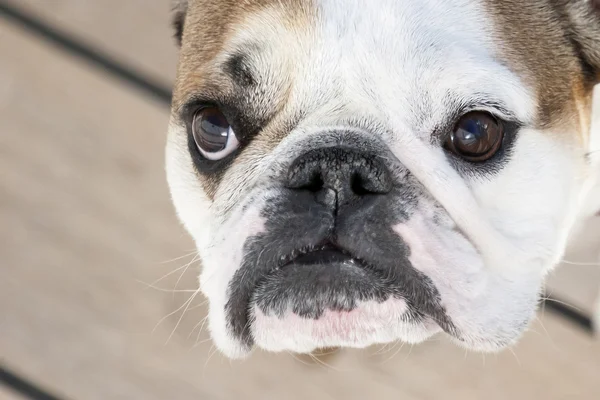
<point>179,12</point>
<point>584,31</point>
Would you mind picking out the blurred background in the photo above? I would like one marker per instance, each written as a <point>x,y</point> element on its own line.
<point>97,278</point>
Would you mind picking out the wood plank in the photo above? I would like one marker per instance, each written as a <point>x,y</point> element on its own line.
<point>137,32</point>
<point>85,218</point>
<point>7,395</point>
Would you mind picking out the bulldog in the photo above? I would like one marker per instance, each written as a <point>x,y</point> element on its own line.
<point>357,172</point>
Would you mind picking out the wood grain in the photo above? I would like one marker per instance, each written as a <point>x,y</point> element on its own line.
<point>86,224</point>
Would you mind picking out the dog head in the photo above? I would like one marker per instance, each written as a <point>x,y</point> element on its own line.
<point>363,171</point>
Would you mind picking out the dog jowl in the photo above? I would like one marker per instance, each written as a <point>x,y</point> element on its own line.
<point>363,171</point>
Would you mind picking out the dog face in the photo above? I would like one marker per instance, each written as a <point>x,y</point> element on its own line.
<point>357,172</point>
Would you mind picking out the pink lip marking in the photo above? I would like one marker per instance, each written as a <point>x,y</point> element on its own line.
<point>369,320</point>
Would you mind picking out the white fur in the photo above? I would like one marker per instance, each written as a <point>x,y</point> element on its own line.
<point>371,322</point>
<point>400,63</point>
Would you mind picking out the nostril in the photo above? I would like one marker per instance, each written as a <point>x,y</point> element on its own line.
<point>363,184</point>
<point>314,184</point>
<point>358,186</point>
<point>341,172</point>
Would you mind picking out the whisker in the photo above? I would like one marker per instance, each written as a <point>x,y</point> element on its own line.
<point>197,325</point>
<point>581,264</point>
<point>201,330</point>
<point>187,266</point>
<point>516,357</point>
<point>388,348</point>
<point>179,258</point>
<point>298,359</point>
<point>167,275</point>
<point>207,360</point>
<point>168,315</point>
<point>210,355</point>
<point>182,314</point>
<point>323,363</point>
<point>549,299</point>
<point>201,342</point>
<point>548,336</point>
<point>543,305</point>
<point>378,350</point>
<point>148,286</point>
<point>412,346</point>
<point>199,305</point>
<point>394,354</point>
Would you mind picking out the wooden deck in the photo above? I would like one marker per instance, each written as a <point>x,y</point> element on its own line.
<point>88,238</point>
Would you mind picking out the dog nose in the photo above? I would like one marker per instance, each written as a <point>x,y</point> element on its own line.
<point>339,176</point>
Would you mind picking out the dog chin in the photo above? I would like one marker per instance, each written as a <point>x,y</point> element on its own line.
<point>296,335</point>
<point>369,324</point>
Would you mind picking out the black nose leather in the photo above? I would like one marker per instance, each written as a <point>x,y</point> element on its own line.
<point>339,176</point>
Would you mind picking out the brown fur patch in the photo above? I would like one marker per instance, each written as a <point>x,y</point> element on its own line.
<point>538,42</point>
<point>208,27</point>
<point>534,40</point>
<point>537,39</point>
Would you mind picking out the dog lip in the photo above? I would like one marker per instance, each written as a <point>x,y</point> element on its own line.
<point>323,253</point>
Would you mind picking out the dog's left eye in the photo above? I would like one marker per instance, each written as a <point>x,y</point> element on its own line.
<point>213,134</point>
<point>476,137</point>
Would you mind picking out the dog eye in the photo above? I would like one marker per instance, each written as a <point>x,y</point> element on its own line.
<point>476,137</point>
<point>213,134</point>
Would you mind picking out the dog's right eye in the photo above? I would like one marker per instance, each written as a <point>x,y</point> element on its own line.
<point>213,134</point>
<point>476,137</point>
